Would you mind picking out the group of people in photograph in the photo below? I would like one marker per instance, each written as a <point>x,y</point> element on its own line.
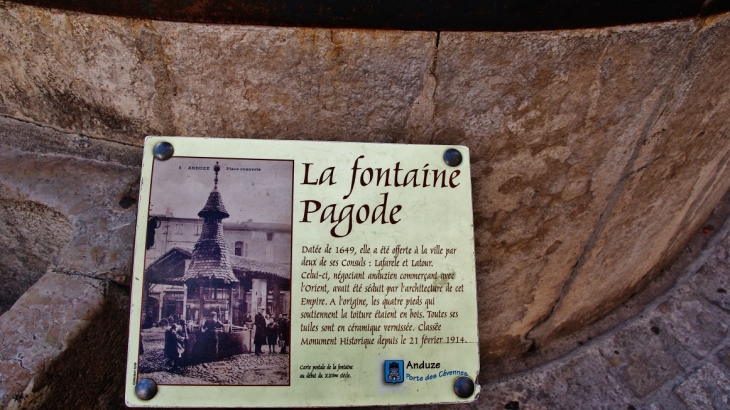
<point>271,331</point>
<point>267,330</point>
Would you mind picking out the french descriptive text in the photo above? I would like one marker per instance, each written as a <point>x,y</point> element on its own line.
<point>376,296</point>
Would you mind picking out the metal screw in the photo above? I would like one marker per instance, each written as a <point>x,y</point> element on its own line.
<point>145,389</point>
<point>163,150</point>
<point>464,387</point>
<point>452,157</point>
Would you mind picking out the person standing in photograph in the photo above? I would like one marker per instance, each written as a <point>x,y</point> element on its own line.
<point>210,337</point>
<point>284,331</point>
<point>182,341</point>
<point>260,335</point>
<point>174,345</point>
<point>272,330</point>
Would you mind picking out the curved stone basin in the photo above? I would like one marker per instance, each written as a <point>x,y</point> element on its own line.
<point>596,153</point>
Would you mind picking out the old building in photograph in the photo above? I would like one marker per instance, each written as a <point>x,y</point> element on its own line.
<point>195,266</point>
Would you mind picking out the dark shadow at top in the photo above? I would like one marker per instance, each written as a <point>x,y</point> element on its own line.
<point>454,15</point>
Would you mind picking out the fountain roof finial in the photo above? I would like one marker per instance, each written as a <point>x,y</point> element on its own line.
<point>216,168</point>
<point>214,207</point>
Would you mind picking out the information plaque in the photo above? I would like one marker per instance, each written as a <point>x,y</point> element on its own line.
<point>298,273</point>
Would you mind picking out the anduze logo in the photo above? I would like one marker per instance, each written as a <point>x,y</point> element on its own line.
<point>393,371</point>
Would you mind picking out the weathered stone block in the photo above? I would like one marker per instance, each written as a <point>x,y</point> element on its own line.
<point>292,83</point>
<point>687,320</point>
<point>87,194</point>
<point>582,382</point>
<point>74,71</point>
<point>707,388</point>
<point>645,366</point>
<point>78,199</point>
<point>122,79</point>
<point>674,175</point>
<point>33,335</point>
<point>713,279</point>
<point>31,235</point>
<point>90,372</point>
<point>546,119</point>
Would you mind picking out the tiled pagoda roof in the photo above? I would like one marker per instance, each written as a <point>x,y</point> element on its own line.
<point>241,266</point>
<point>211,257</point>
<point>214,207</point>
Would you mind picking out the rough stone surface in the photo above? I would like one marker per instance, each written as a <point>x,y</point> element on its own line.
<point>707,388</point>
<point>87,194</point>
<point>28,137</point>
<point>713,280</point>
<point>677,174</point>
<point>35,233</point>
<point>545,116</point>
<point>121,79</point>
<point>580,382</point>
<point>60,215</point>
<point>522,103</point>
<point>667,357</point>
<point>686,319</point>
<point>90,372</point>
<point>33,335</point>
<point>645,366</point>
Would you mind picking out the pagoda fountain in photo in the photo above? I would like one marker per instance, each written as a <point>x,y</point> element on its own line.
<point>209,278</point>
<point>193,284</point>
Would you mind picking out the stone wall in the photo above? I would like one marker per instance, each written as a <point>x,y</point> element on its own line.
<point>595,153</point>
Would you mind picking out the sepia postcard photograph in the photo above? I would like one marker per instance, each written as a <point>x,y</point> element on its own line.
<point>217,273</point>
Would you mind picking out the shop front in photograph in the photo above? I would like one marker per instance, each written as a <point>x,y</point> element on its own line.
<point>235,299</point>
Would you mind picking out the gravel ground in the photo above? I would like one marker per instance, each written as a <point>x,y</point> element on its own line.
<point>244,369</point>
